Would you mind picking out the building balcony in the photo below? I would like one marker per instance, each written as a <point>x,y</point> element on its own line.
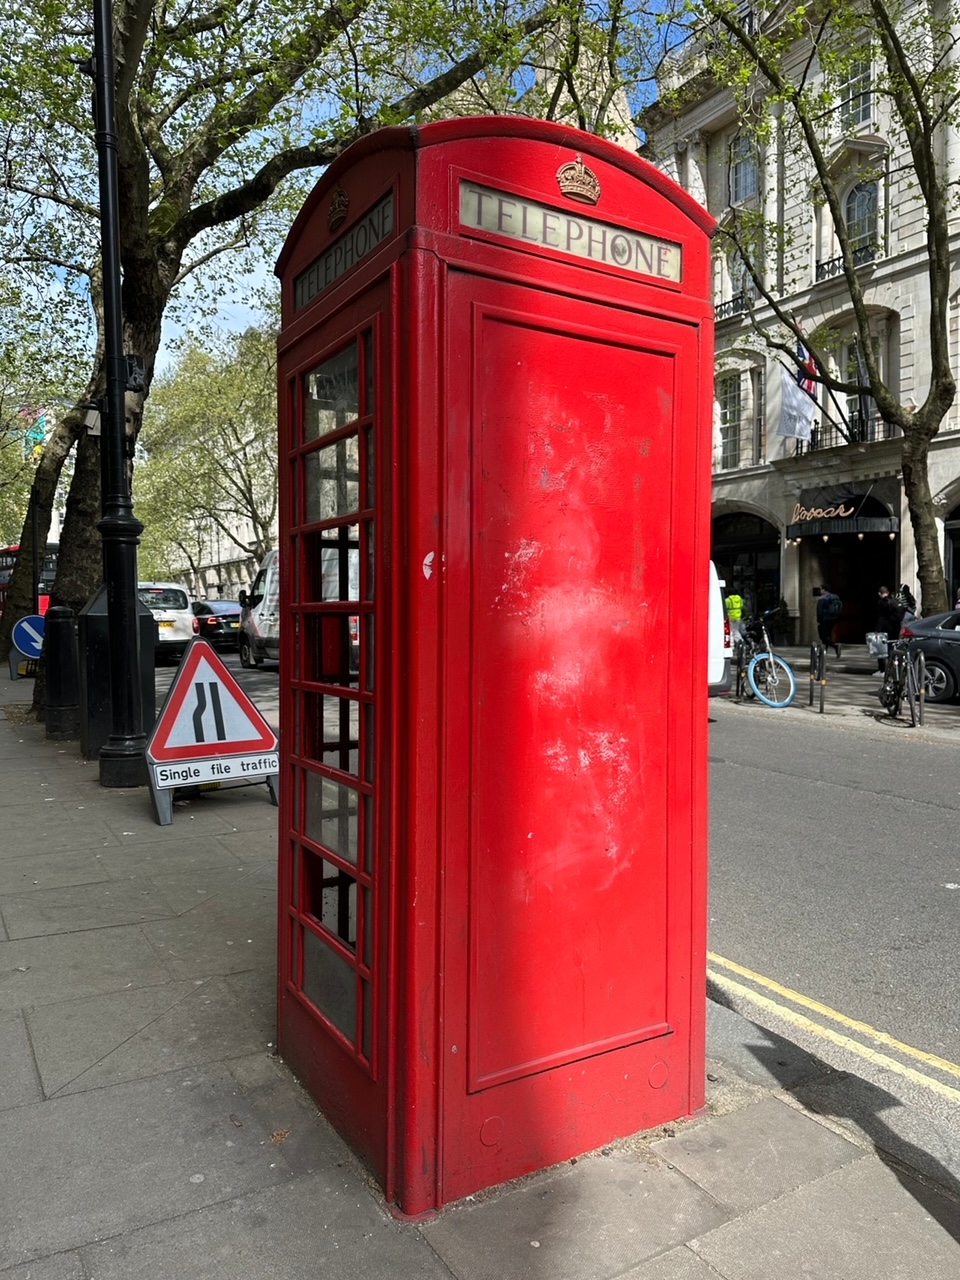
<point>726,310</point>
<point>830,267</point>
<point>859,431</point>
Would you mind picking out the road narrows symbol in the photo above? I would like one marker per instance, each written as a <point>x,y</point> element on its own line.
<point>200,688</point>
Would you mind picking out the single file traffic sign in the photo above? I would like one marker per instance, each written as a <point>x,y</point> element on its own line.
<point>27,635</point>
<point>208,732</point>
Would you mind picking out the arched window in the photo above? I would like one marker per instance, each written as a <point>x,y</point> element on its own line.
<point>860,215</point>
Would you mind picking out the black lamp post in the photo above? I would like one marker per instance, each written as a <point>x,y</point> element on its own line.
<point>122,762</point>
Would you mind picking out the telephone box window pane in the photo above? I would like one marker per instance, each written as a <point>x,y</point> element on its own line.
<point>332,481</point>
<point>294,873</point>
<point>371,558</point>
<point>370,488</point>
<point>295,931</point>
<point>340,564</point>
<point>368,839</point>
<point>331,816</point>
<point>330,984</point>
<point>368,402</point>
<point>366,1047</point>
<point>331,394</point>
<point>329,655</point>
<point>330,897</point>
<point>367,928</point>
<point>341,729</point>
<point>368,742</point>
<point>367,646</point>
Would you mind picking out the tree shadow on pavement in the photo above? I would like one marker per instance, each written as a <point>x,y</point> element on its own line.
<point>860,1106</point>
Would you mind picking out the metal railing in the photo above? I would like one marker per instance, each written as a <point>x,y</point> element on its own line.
<point>830,267</point>
<point>858,431</point>
<point>736,306</point>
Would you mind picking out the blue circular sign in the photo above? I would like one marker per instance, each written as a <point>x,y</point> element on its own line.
<point>27,635</point>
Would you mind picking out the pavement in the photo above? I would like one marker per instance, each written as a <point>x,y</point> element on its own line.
<point>147,1127</point>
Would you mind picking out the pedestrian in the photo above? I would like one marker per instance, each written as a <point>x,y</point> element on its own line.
<point>734,603</point>
<point>909,602</point>
<point>829,609</point>
<point>889,619</point>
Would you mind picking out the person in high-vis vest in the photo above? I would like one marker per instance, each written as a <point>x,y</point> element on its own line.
<point>734,603</point>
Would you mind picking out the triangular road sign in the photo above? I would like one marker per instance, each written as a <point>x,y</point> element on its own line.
<point>206,714</point>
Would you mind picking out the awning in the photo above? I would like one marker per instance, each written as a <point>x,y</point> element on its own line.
<point>852,524</point>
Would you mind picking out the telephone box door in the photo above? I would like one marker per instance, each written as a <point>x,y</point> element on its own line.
<point>574,714</point>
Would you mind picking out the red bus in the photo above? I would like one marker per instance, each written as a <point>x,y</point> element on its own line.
<point>48,571</point>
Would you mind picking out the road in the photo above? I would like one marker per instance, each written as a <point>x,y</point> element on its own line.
<point>835,882</point>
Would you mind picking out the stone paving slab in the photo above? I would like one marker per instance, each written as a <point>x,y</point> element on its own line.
<point>158,858</point>
<point>677,1264</point>
<point>56,870</point>
<point>860,1223</point>
<point>113,1160</point>
<point>51,828</point>
<point>756,1155</point>
<point>73,965</point>
<point>132,1035</point>
<point>84,906</point>
<point>235,932</point>
<point>587,1221</point>
<point>317,1228</point>
<point>60,1266</point>
<point>19,1082</point>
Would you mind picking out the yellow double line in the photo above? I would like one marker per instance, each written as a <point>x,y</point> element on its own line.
<point>790,1015</point>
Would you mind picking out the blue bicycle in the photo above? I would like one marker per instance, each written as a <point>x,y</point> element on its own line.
<point>761,672</point>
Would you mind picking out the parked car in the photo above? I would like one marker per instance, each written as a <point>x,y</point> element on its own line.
<point>218,622</point>
<point>176,624</point>
<point>938,637</point>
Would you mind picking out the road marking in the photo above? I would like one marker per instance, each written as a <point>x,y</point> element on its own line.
<point>930,1059</point>
<point>827,1033</point>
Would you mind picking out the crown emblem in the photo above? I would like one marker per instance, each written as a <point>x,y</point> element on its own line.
<point>578,182</point>
<point>339,203</point>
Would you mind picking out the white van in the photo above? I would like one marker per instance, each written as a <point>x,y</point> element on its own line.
<point>260,615</point>
<point>720,641</point>
<point>176,624</point>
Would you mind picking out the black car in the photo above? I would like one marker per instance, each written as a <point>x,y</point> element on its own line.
<point>219,622</point>
<point>939,639</point>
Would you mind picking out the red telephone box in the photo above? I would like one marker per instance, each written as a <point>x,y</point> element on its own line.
<point>495,432</point>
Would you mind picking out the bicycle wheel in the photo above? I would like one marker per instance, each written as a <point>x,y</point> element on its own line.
<point>911,691</point>
<point>893,686</point>
<point>772,680</point>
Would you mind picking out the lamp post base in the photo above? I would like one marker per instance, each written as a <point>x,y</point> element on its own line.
<point>123,764</point>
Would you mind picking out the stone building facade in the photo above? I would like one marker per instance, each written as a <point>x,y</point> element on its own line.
<point>790,515</point>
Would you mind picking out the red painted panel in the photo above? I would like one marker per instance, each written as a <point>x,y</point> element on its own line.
<point>568,960</point>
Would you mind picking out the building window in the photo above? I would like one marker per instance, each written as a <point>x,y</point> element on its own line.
<point>860,215</point>
<point>759,416</point>
<point>855,97</point>
<point>861,409</point>
<point>744,172</point>
<point>729,400</point>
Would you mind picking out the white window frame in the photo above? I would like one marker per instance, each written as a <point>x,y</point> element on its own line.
<point>744,170</point>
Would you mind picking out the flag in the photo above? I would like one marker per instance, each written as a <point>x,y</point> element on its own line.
<point>796,409</point>
<point>805,375</point>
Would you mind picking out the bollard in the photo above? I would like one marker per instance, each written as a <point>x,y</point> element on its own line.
<point>818,671</point>
<point>62,671</point>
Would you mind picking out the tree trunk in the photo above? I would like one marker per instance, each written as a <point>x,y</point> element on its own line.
<point>20,602</point>
<point>916,486</point>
